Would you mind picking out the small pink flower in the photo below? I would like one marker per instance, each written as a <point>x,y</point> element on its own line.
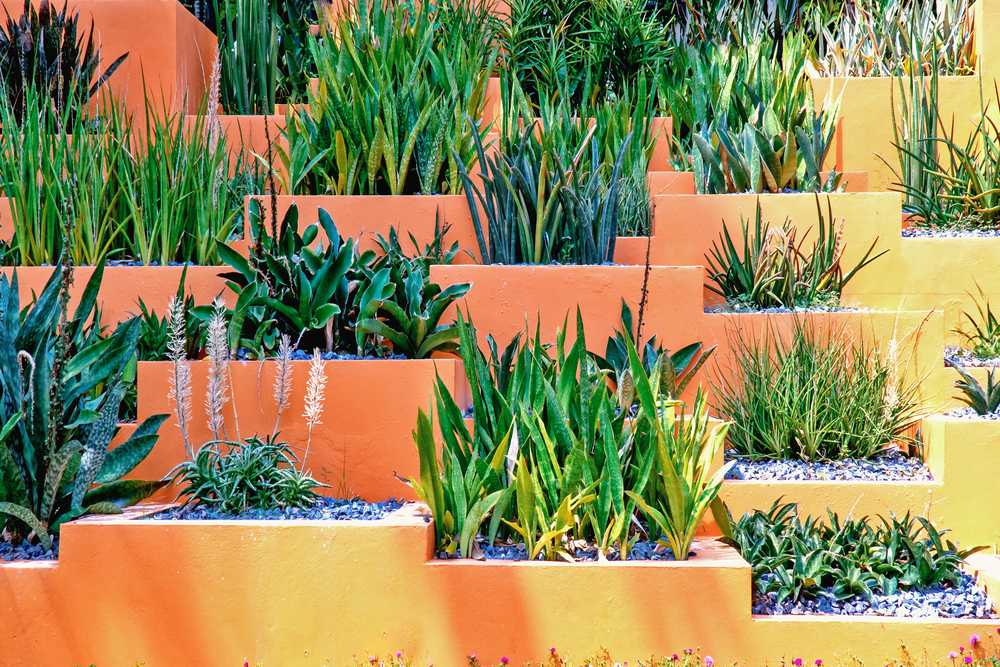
<point>968,660</point>
<point>952,655</point>
<point>709,662</point>
<point>371,660</point>
<point>674,658</point>
<point>688,651</point>
<point>961,649</point>
<point>974,640</point>
<point>552,650</point>
<point>797,662</point>
<point>504,660</point>
<point>818,662</point>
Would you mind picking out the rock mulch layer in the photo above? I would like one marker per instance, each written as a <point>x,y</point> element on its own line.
<point>891,466</point>
<point>966,359</point>
<point>324,509</point>
<point>969,413</point>
<point>643,550</point>
<point>964,601</point>
<point>924,233</point>
<point>26,551</point>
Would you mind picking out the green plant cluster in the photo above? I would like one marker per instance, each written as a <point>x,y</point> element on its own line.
<point>324,293</point>
<point>166,197</point>
<point>388,116</point>
<point>558,460</point>
<point>235,478</point>
<point>62,381</point>
<point>46,52</point>
<point>814,395</point>
<point>765,266</point>
<point>797,558</point>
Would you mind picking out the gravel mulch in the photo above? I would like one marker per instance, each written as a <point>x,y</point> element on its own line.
<point>969,413</point>
<point>732,309</point>
<point>303,355</point>
<point>964,601</point>
<point>890,466</point>
<point>25,551</point>
<point>324,508</point>
<point>922,233</point>
<point>966,359</point>
<point>641,551</point>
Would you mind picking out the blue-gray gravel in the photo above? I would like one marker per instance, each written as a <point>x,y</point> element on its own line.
<point>964,601</point>
<point>324,508</point>
<point>891,466</point>
<point>27,551</point>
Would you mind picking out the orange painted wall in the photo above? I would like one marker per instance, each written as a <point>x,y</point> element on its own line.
<point>370,411</point>
<point>240,591</point>
<point>169,49</point>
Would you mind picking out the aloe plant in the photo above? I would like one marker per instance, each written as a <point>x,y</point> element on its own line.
<point>984,399</point>
<point>63,387</point>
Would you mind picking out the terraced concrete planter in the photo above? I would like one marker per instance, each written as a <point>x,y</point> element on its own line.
<point>380,574</point>
<point>505,300</point>
<point>370,411</point>
<point>123,286</point>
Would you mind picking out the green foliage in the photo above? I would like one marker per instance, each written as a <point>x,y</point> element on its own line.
<point>235,478</point>
<point>949,182</point>
<point>582,50</point>
<point>984,400</point>
<point>395,85</point>
<point>63,384</point>
<point>982,337</point>
<point>774,269</point>
<point>814,395</point>
<point>161,199</point>
<point>46,51</point>
<point>332,296</point>
<point>797,558</point>
<point>555,457</point>
<point>551,193</point>
<point>154,330</point>
<point>248,33</point>
<point>677,370</point>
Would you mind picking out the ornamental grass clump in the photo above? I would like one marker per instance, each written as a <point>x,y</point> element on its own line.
<point>774,268</point>
<point>815,395</point>
<point>558,461</point>
<point>798,558</point>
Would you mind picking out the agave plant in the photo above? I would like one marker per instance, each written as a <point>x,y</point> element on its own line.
<point>63,387</point>
<point>45,49</point>
<point>985,400</point>
<point>772,267</point>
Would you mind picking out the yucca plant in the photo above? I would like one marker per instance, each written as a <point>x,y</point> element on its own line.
<point>773,268</point>
<point>45,50</point>
<point>985,400</point>
<point>880,38</point>
<point>63,387</point>
<point>915,129</point>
